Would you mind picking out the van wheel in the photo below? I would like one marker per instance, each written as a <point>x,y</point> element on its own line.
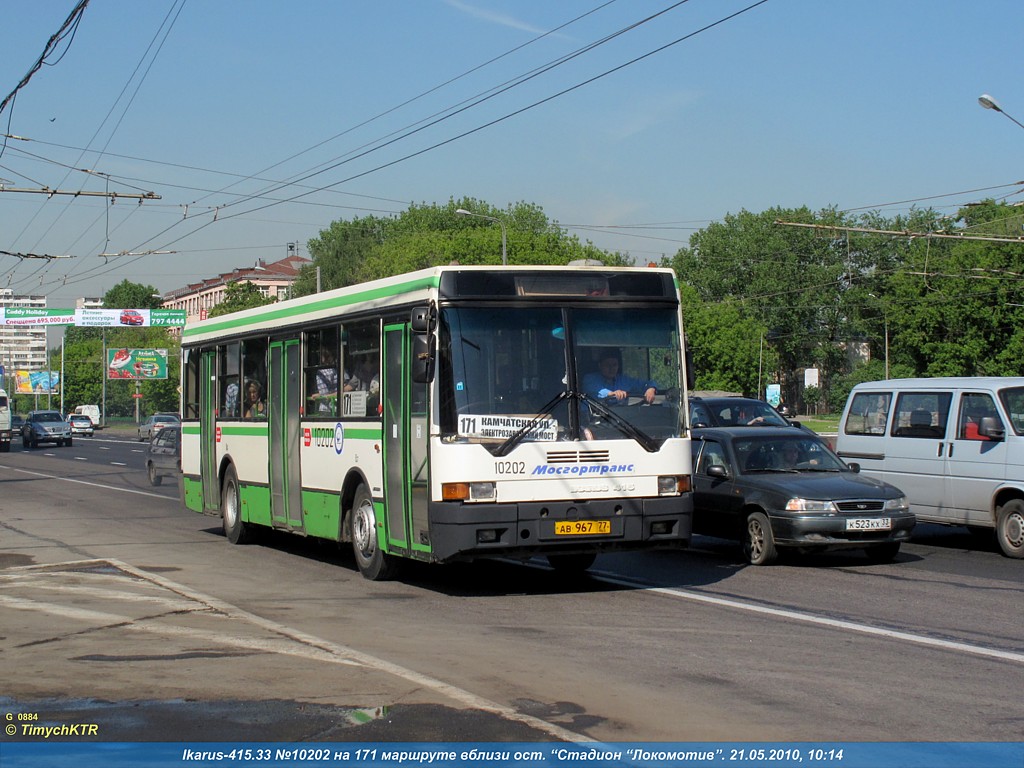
<point>231,508</point>
<point>374,564</point>
<point>759,543</point>
<point>1010,528</point>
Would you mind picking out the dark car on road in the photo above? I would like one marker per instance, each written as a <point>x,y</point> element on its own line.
<point>45,427</point>
<point>163,457</point>
<point>734,412</point>
<point>778,488</point>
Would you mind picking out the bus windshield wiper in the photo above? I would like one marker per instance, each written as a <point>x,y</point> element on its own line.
<point>529,426</point>
<point>629,429</point>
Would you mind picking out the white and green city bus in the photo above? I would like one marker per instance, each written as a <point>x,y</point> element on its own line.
<point>458,426</point>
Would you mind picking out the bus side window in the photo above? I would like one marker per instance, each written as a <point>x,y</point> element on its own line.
<point>230,394</point>
<point>322,372</point>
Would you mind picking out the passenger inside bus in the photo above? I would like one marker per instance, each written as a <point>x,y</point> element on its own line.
<point>255,408</point>
<point>326,394</point>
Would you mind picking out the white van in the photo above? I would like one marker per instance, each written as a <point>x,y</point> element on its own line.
<point>92,411</point>
<point>954,446</point>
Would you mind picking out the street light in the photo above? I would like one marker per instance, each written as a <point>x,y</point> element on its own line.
<point>989,103</point>
<point>499,222</point>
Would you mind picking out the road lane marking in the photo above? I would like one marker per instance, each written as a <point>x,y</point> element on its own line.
<point>810,618</point>
<point>85,482</point>
<point>301,644</point>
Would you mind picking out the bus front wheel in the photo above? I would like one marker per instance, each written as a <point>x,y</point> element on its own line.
<point>231,509</point>
<point>372,562</point>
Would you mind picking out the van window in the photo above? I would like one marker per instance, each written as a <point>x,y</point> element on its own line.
<point>868,413</point>
<point>921,414</point>
<point>1013,401</point>
<point>974,406</point>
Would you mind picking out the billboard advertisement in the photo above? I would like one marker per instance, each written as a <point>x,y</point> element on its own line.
<point>137,364</point>
<point>37,382</point>
<point>93,318</point>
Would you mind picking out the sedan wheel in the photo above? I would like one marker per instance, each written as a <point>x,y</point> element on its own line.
<point>759,544</point>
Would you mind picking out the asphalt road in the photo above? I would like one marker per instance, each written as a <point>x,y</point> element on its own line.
<point>120,608</point>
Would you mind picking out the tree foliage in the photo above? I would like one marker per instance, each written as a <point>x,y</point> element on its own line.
<point>240,295</point>
<point>935,306</point>
<point>350,252</point>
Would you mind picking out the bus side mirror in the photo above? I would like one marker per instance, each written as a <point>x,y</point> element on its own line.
<point>423,358</point>
<point>691,376</point>
<point>423,321</point>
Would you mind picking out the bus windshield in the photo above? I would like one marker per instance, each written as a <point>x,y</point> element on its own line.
<point>568,373</point>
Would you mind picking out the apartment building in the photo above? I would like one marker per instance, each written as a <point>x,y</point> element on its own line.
<point>22,347</point>
<point>272,279</point>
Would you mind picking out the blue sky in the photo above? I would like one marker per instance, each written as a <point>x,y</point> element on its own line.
<point>855,103</point>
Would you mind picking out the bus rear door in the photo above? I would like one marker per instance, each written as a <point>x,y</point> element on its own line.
<point>285,406</point>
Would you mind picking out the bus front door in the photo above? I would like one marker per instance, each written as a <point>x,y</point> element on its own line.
<point>284,407</point>
<point>405,448</point>
<point>208,431</point>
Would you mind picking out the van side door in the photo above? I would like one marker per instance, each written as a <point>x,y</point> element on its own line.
<point>915,456</point>
<point>975,463</point>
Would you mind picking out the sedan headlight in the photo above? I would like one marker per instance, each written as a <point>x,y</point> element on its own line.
<point>897,505</point>
<point>811,505</point>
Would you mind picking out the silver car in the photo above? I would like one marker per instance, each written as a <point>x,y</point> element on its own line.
<point>45,427</point>
<point>155,423</point>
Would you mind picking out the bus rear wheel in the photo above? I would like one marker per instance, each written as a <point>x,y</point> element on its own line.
<point>372,562</point>
<point>231,508</point>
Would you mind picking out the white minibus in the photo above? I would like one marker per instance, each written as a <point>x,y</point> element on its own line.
<point>955,446</point>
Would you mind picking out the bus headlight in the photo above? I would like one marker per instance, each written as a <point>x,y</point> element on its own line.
<point>673,485</point>
<point>482,491</point>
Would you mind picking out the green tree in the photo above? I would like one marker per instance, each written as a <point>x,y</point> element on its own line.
<point>431,235</point>
<point>238,296</point>
<point>788,281</point>
<point>725,344</point>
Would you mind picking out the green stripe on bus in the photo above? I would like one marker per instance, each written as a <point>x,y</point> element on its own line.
<point>257,430</point>
<point>361,433</point>
<point>286,313</point>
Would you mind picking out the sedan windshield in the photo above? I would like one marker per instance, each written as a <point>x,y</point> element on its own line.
<point>801,454</point>
<point>546,374</point>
